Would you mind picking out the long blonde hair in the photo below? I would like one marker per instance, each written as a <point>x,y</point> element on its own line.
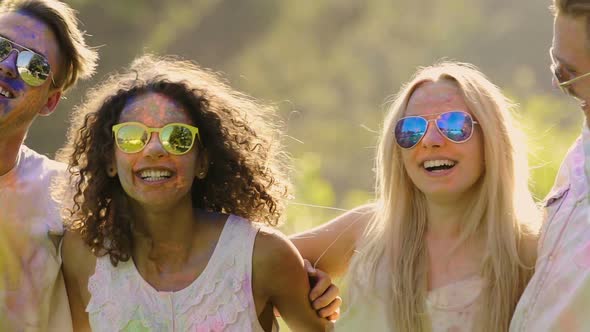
<point>391,256</point>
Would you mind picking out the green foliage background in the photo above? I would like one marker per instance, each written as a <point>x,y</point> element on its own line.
<point>330,66</point>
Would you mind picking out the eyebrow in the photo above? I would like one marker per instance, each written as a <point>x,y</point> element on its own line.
<point>562,62</point>
<point>22,46</point>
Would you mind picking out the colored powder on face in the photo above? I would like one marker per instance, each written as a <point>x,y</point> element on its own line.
<point>29,29</point>
<point>4,107</point>
<point>17,85</point>
<point>25,33</point>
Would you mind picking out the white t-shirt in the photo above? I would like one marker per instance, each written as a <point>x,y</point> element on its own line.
<point>32,290</point>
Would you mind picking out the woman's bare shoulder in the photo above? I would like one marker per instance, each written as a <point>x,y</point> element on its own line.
<point>331,245</point>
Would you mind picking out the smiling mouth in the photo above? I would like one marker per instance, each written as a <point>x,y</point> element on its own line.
<point>152,175</point>
<point>5,93</point>
<point>438,165</point>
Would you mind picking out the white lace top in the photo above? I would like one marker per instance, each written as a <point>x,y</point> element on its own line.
<point>220,299</point>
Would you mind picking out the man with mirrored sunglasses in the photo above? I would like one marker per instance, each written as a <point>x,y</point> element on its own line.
<point>558,296</point>
<point>42,55</point>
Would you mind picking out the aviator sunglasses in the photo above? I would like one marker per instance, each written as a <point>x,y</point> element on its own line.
<point>564,77</point>
<point>33,68</point>
<point>176,138</point>
<point>456,126</point>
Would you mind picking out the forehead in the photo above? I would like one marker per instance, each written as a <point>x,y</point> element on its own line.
<point>26,30</point>
<point>154,110</point>
<point>436,97</point>
<point>570,41</point>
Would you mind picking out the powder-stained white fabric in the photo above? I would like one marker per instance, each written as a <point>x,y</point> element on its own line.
<point>558,296</point>
<point>32,290</point>
<point>220,299</point>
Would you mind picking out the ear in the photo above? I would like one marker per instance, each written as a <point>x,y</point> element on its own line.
<point>202,165</point>
<point>112,168</point>
<point>51,104</point>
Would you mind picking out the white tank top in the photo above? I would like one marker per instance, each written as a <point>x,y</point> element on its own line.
<point>220,299</point>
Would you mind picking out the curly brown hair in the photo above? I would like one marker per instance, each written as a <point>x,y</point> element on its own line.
<point>246,175</point>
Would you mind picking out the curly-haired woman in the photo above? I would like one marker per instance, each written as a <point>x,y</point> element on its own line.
<point>169,167</point>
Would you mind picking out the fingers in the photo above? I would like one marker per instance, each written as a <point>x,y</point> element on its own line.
<point>322,283</point>
<point>334,317</point>
<point>331,311</point>
<point>329,296</point>
<point>311,271</point>
<point>324,295</point>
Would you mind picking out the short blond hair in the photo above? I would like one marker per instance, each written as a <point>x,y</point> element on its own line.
<point>574,8</point>
<point>77,59</point>
<point>571,7</point>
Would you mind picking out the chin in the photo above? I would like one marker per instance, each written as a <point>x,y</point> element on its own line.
<point>446,194</point>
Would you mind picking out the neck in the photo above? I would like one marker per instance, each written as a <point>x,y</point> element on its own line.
<point>165,236</point>
<point>9,149</point>
<point>444,218</point>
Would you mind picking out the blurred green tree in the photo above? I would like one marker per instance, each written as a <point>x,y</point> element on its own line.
<point>330,66</point>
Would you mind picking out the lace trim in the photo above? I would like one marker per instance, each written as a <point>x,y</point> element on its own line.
<point>229,294</point>
<point>117,298</point>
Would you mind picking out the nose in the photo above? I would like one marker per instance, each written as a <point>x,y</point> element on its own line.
<point>8,65</point>
<point>554,83</point>
<point>432,137</point>
<point>154,148</point>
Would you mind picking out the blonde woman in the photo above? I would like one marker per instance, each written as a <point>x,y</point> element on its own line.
<point>450,243</point>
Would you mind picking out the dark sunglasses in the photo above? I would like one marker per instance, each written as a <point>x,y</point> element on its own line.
<point>456,126</point>
<point>33,68</point>
<point>564,77</point>
<point>176,138</point>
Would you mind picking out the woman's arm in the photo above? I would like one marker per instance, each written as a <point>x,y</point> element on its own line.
<point>280,278</point>
<point>331,245</point>
<point>78,266</point>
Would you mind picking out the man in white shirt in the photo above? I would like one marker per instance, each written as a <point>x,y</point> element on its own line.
<point>558,296</point>
<point>42,55</point>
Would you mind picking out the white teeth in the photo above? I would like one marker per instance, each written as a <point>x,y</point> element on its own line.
<point>438,163</point>
<point>155,174</point>
<point>5,93</point>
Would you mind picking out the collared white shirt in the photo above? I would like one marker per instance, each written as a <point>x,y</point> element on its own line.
<point>558,296</point>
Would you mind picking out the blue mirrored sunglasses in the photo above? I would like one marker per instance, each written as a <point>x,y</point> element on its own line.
<point>456,126</point>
